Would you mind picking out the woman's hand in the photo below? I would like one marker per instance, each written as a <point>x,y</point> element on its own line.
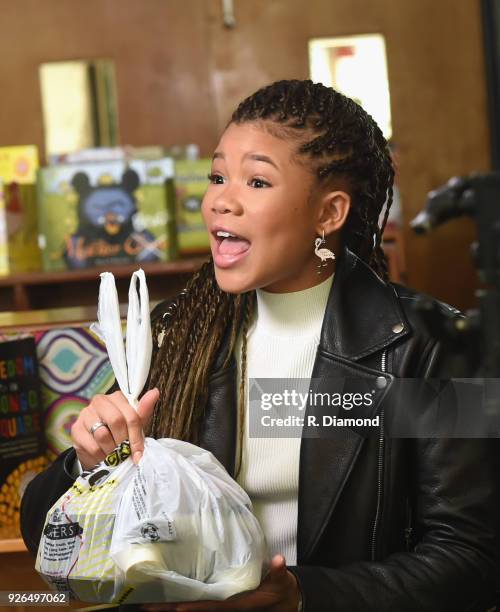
<point>278,592</point>
<point>122,423</point>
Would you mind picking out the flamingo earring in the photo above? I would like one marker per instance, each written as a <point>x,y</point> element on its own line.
<point>323,254</point>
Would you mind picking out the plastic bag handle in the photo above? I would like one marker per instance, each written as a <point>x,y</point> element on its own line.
<point>131,364</point>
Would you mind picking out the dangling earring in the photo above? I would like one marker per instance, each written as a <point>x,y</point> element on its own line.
<point>323,254</point>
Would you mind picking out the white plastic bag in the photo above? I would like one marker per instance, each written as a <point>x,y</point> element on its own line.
<point>176,527</point>
<point>185,530</point>
<point>130,365</point>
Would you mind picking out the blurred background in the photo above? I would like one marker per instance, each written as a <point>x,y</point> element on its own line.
<point>109,112</point>
<point>169,72</point>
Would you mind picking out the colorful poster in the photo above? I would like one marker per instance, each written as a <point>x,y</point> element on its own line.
<point>74,367</point>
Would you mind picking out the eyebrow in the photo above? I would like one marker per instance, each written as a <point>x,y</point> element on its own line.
<point>255,156</point>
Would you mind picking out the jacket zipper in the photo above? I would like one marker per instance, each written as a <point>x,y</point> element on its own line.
<point>380,468</point>
<point>408,528</point>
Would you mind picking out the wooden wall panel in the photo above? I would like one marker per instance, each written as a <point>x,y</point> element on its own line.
<point>159,48</point>
<point>180,74</point>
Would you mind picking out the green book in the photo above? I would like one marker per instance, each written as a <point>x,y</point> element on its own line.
<point>191,182</point>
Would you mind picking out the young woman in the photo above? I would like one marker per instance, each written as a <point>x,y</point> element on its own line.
<point>297,288</point>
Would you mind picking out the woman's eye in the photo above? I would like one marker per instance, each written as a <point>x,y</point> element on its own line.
<point>216,179</point>
<point>259,183</point>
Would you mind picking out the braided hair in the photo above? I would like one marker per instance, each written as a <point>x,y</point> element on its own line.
<point>336,139</point>
<point>339,140</point>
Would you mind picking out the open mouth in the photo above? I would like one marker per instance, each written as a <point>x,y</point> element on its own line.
<point>229,244</point>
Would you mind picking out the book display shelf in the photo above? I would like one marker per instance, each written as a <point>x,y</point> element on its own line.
<point>76,288</point>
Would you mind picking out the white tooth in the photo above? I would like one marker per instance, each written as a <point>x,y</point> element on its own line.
<point>224,234</point>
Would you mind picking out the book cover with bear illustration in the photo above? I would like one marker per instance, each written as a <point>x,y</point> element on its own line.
<point>100,214</point>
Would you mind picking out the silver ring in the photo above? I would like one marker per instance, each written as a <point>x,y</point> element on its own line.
<point>96,426</point>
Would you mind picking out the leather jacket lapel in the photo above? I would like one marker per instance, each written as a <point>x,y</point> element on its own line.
<point>363,314</point>
<point>218,434</point>
<point>326,458</point>
<point>362,317</point>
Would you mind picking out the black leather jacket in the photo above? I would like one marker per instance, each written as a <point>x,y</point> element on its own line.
<point>384,524</point>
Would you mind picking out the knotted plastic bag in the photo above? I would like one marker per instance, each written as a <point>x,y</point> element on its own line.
<point>130,363</point>
<point>175,527</point>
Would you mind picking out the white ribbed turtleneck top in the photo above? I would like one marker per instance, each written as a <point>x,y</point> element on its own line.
<point>282,341</point>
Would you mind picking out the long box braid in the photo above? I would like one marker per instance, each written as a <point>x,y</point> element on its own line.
<point>337,139</point>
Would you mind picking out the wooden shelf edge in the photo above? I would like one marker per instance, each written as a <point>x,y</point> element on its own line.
<point>177,266</point>
<point>12,545</point>
<point>39,320</point>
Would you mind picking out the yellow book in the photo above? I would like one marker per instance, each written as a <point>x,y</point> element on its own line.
<point>19,164</point>
<point>4,244</point>
<point>19,250</point>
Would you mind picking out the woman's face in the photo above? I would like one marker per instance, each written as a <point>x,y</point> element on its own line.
<point>261,196</point>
